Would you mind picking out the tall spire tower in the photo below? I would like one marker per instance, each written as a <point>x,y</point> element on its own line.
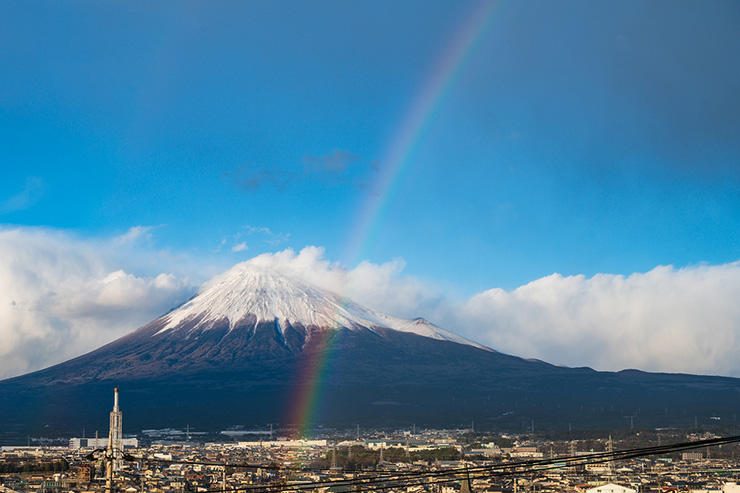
<point>115,435</point>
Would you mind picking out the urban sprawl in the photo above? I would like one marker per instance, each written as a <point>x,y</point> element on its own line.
<point>349,461</point>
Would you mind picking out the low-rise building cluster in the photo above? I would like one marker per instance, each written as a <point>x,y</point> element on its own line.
<point>344,464</point>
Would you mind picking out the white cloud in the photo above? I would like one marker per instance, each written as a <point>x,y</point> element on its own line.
<point>261,229</point>
<point>668,319</point>
<point>134,234</point>
<point>62,296</point>
<point>268,236</point>
<point>240,247</point>
<point>378,286</point>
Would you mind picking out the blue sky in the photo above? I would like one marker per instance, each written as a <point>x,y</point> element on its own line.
<point>577,138</point>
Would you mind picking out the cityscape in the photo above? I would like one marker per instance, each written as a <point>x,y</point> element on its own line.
<point>423,460</point>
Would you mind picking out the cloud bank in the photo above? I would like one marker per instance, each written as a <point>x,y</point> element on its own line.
<point>60,296</point>
<point>380,286</point>
<point>668,319</point>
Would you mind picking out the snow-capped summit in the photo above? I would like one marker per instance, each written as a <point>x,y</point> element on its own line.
<point>260,294</point>
<point>249,294</point>
<point>258,345</point>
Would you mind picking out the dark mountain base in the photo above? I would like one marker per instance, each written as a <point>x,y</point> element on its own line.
<point>374,379</point>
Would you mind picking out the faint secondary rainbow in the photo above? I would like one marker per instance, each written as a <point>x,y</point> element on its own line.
<point>414,124</point>
<point>306,404</point>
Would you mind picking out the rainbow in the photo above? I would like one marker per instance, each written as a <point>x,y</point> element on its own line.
<point>313,372</point>
<point>306,406</point>
<point>414,124</point>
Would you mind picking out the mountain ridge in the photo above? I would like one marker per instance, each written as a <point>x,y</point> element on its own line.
<point>251,340</point>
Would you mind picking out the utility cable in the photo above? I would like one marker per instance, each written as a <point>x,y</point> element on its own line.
<point>380,481</point>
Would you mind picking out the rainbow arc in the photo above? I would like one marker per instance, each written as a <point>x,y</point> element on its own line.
<point>316,370</point>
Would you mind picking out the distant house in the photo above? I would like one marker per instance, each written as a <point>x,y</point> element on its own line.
<point>611,488</point>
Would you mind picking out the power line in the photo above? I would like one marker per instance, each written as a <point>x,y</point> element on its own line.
<point>379,481</point>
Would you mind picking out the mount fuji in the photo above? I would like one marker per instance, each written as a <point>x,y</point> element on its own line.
<point>254,339</point>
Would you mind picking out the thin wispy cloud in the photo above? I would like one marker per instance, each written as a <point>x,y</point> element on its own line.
<point>252,230</point>
<point>241,247</point>
<point>338,168</point>
<point>267,235</point>
<point>134,234</point>
<point>236,243</point>
<point>31,193</point>
<point>253,178</point>
<point>336,162</point>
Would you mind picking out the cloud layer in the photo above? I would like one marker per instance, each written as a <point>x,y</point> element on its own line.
<point>668,319</point>
<point>61,296</point>
<point>380,286</point>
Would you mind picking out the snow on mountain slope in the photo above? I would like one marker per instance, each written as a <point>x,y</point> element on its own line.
<point>248,290</point>
<point>417,326</point>
<point>249,293</point>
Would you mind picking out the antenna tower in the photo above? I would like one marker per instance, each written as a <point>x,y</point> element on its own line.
<point>115,435</point>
